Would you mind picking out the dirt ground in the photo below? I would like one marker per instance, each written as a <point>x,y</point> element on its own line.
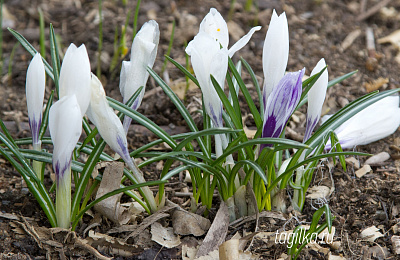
<point>334,30</point>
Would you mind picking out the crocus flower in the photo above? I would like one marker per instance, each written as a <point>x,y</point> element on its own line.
<point>214,25</point>
<point>65,123</point>
<point>316,98</point>
<point>275,53</point>
<point>111,130</point>
<point>371,124</point>
<point>75,76</point>
<point>35,87</point>
<point>281,104</point>
<point>208,58</point>
<point>134,72</point>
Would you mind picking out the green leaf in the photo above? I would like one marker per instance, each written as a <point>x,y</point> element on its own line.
<point>32,51</point>
<point>247,96</point>
<point>183,69</point>
<point>143,121</point>
<point>55,58</point>
<point>256,84</point>
<point>45,120</point>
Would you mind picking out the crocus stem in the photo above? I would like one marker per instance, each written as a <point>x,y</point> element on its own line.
<point>37,166</point>
<point>297,201</point>
<point>147,193</point>
<point>63,198</point>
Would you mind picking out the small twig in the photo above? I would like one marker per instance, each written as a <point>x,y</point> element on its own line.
<point>372,10</point>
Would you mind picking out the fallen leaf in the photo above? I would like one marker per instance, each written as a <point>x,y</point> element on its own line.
<point>229,250</point>
<point>350,38</point>
<point>179,87</point>
<point>187,223</point>
<point>217,232</point>
<point>371,233</point>
<point>164,235</point>
<point>111,207</point>
<point>396,244</point>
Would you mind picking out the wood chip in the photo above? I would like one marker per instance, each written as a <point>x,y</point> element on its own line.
<point>378,158</point>
<point>364,170</point>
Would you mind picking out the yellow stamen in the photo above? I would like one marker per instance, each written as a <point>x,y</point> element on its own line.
<point>218,29</point>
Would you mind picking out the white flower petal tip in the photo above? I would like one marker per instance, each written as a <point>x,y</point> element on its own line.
<point>316,98</point>
<point>35,88</point>
<point>214,25</point>
<point>371,124</point>
<point>208,58</point>
<point>275,52</point>
<point>107,122</point>
<point>75,76</point>
<point>65,123</point>
<point>143,54</point>
<point>243,41</point>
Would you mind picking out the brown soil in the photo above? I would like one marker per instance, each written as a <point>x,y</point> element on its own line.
<point>317,29</point>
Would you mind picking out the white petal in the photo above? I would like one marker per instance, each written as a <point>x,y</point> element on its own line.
<point>316,97</point>
<point>214,25</point>
<point>143,55</point>
<point>243,41</point>
<point>275,52</point>
<point>373,123</point>
<point>106,121</point>
<point>75,76</point>
<point>208,58</point>
<point>65,123</point>
<point>35,88</point>
<point>125,68</point>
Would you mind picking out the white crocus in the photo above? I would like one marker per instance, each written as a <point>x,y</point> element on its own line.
<point>371,124</point>
<point>75,76</point>
<point>214,25</point>
<point>35,88</point>
<point>316,98</point>
<point>208,58</point>
<point>111,130</point>
<point>134,73</point>
<point>275,52</point>
<point>65,123</point>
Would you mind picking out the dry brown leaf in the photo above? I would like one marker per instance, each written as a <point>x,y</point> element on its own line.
<point>350,38</point>
<point>217,233</point>
<point>229,250</point>
<point>112,245</point>
<point>187,223</point>
<point>111,207</point>
<point>164,235</point>
<point>179,87</point>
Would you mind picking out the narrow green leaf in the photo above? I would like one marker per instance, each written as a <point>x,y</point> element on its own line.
<point>32,51</point>
<point>55,58</point>
<point>184,70</point>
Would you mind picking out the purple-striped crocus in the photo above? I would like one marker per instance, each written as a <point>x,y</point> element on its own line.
<point>134,73</point>
<point>75,76</point>
<point>214,25</point>
<point>65,124</point>
<point>35,88</point>
<point>111,130</point>
<point>281,103</point>
<point>316,98</point>
<point>371,124</point>
<point>275,53</point>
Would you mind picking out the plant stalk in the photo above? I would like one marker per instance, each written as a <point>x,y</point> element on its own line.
<point>63,198</point>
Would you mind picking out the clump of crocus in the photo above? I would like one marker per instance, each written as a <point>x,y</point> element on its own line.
<point>65,123</point>
<point>134,72</point>
<point>35,88</point>
<point>112,131</point>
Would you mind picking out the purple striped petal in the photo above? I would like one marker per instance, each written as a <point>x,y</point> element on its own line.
<point>281,104</point>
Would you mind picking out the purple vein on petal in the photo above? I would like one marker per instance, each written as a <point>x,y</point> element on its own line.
<point>35,129</point>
